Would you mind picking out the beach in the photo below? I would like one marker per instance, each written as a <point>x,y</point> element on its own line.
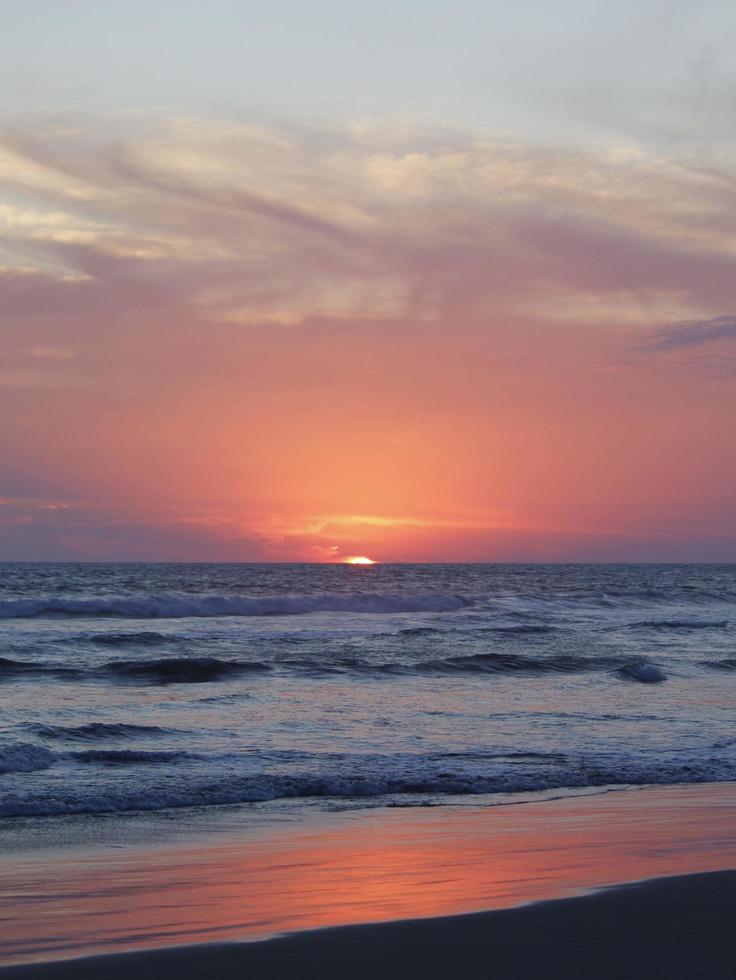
<point>680,928</point>
<point>510,890</point>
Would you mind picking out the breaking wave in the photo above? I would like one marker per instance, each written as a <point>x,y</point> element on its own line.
<point>379,784</point>
<point>24,757</point>
<point>175,607</point>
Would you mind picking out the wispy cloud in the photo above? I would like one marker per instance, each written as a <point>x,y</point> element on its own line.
<point>692,333</point>
<point>248,224</point>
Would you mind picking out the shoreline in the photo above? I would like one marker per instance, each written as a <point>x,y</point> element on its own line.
<point>253,880</point>
<point>679,927</point>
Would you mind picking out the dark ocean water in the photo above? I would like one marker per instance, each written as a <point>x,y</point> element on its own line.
<point>128,687</point>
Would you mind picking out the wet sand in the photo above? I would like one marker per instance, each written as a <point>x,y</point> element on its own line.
<point>679,928</point>
<point>133,885</point>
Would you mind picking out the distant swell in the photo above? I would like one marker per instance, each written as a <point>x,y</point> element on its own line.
<point>172,607</point>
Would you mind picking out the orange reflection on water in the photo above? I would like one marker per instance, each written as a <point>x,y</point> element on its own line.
<point>359,867</point>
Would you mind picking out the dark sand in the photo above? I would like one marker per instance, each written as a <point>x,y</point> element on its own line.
<point>676,928</point>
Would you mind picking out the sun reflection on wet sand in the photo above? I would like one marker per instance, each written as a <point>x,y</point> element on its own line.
<point>359,867</point>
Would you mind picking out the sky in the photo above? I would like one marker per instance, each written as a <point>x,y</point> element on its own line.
<point>424,281</point>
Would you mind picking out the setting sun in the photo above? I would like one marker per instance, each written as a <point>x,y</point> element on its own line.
<point>359,560</point>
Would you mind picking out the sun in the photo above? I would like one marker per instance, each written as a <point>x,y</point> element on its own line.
<point>359,560</point>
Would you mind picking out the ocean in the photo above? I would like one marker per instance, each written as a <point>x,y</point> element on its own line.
<point>161,687</point>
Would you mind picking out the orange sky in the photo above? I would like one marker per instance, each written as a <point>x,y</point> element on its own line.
<point>228,341</point>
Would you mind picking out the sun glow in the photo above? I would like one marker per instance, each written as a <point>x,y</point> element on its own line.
<point>359,560</point>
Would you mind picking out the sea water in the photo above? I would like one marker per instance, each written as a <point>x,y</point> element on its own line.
<point>129,687</point>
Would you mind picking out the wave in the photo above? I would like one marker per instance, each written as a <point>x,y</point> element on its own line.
<point>201,670</point>
<point>180,670</point>
<point>174,670</point>
<point>642,673</point>
<point>504,663</point>
<point>474,664</point>
<point>378,785</point>
<point>508,663</point>
<point>482,663</point>
<point>20,757</point>
<point>176,607</point>
<point>615,598</point>
<point>128,757</point>
<point>728,663</point>
<point>142,638</point>
<point>24,757</point>
<point>523,629</point>
<point>676,624</point>
<point>12,669</point>
<point>97,730</point>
